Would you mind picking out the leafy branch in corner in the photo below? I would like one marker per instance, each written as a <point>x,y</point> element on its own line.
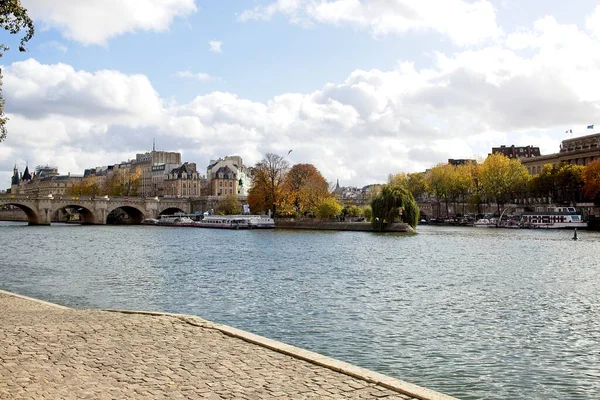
<point>13,18</point>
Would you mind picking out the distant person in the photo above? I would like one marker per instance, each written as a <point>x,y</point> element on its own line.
<point>575,235</point>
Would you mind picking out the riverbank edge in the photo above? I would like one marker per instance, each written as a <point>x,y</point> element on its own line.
<point>345,368</point>
<point>340,226</point>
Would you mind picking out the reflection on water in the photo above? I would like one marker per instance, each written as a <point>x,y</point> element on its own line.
<point>474,313</point>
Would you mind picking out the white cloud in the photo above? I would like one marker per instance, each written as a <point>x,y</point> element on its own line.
<point>592,22</point>
<point>464,22</point>
<point>215,46</point>
<point>526,90</point>
<point>96,21</point>
<point>200,76</point>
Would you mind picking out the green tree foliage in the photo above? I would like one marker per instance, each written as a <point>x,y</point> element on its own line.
<point>439,181</point>
<point>367,212</point>
<point>328,208</point>
<point>229,205</point>
<point>353,211</point>
<point>569,180</point>
<point>501,177</point>
<point>461,182</point>
<point>544,183</point>
<point>13,18</point>
<point>391,201</point>
<point>417,184</point>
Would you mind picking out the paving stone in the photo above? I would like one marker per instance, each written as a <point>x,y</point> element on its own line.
<point>51,352</point>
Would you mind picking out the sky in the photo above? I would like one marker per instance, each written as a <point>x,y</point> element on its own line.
<point>360,88</point>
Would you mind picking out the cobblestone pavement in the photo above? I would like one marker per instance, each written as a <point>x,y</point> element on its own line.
<point>48,352</point>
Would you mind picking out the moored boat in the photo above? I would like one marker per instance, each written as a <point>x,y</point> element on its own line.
<point>175,220</point>
<point>223,222</point>
<point>553,218</point>
<point>236,222</point>
<point>485,223</point>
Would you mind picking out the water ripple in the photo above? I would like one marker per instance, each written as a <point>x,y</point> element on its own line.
<point>472,313</point>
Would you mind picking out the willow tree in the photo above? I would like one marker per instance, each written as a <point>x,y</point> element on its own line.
<point>13,18</point>
<point>392,203</point>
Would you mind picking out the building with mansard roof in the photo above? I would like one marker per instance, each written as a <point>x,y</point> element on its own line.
<point>228,176</point>
<point>184,181</point>
<point>520,152</point>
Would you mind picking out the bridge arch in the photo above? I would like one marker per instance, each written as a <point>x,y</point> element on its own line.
<point>86,216</point>
<point>135,215</point>
<point>32,215</point>
<point>171,211</point>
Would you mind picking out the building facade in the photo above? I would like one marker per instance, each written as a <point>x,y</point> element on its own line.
<point>579,151</point>
<point>184,181</point>
<point>44,181</point>
<point>228,176</point>
<point>151,179</point>
<point>520,152</point>
<point>461,161</point>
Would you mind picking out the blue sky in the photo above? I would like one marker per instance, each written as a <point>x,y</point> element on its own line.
<point>362,89</point>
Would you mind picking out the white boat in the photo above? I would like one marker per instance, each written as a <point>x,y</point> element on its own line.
<point>236,222</point>
<point>223,222</point>
<point>149,221</point>
<point>485,223</point>
<point>175,220</point>
<point>260,222</point>
<point>553,218</point>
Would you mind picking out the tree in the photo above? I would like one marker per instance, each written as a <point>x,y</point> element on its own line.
<point>124,182</point>
<point>328,208</point>
<point>569,179</point>
<point>544,184</point>
<point>394,202</point>
<point>353,211</point>
<point>417,184</point>
<point>85,187</point>
<point>461,183</point>
<point>501,176</point>
<point>591,180</point>
<point>368,212</point>
<point>13,18</point>
<point>305,187</point>
<point>229,205</point>
<point>267,179</point>
<point>439,181</point>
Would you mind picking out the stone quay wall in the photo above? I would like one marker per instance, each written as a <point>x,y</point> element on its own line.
<point>316,224</point>
<point>13,215</point>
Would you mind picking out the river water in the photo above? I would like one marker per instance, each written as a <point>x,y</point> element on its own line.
<point>473,313</point>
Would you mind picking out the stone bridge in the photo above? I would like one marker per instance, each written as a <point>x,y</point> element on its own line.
<point>94,210</point>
